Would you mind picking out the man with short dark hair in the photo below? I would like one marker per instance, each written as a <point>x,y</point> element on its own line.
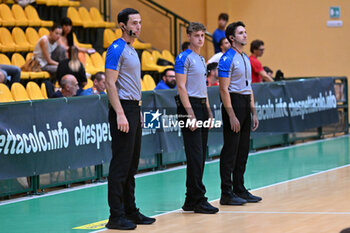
<point>212,71</point>
<point>123,82</point>
<point>224,46</point>
<point>192,106</point>
<point>220,31</point>
<point>98,87</point>
<point>168,80</point>
<point>258,73</point>
<point>238,116</point>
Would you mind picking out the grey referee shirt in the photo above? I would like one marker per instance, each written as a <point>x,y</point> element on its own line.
<point>193,65</point>
<point>236,67</point>
<point>123,58</point>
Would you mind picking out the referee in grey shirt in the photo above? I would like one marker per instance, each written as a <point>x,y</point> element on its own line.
<point>123,82</point>
<point>193,105</point>
<point>238,115</point>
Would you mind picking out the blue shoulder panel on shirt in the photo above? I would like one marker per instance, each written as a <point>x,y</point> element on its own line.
<point>114,52</point>
<point>179,66</point>
<point>225,63</point>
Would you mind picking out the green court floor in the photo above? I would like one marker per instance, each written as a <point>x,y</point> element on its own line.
<point>161,192</point>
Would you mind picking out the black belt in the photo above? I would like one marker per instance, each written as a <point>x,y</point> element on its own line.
<point>132,102</point>
<point>198,100</point>
<point>241,95</point>
<point>195,100</point>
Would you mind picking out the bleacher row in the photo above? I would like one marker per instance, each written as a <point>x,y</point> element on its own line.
<point>22,28</point>
<point>32,91</point>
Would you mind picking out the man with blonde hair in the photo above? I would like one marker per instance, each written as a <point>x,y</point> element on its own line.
<point>192,103</point>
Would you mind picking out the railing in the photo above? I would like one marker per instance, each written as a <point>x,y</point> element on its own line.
<point>105,8</point>
<point>177,23</point>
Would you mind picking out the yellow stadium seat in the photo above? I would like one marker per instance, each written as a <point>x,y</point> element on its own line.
<point>148,63</point>
<point>96,16</point>
<point>80,45</point>
<point>139,45</point>
<point>166,54</point>
<point>4,60</point>
<point>149,82</point>
<point>118,33</point>
<point>43,90</point>
<point>18,92</point>
<point>33,16</point>
<point>98,61</point>
<point>7,42</point>
<point>108,38</point>
<point>40,2</point>
<point>52,2</point>
<point>143,86</point>
<point>156,54</point>
<point>5,94</point>
<point>7,16</point>
<point>20,39</point>
<point>84,14</point>
<point>18,60</point>
<point>89,66</point>
<point>44,73</point>
<point>73,14</point>
<point>20,16</point>
<point>74,3</point>
<point>104,55</point>
<point>33,91</point>
<point>43,32</point>
<point>89,84</point>
<point>32,37</point>
<point>63,3</point>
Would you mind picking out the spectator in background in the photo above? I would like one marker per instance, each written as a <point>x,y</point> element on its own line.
<point>268,71</point>
<point>212,72</point>
<point>220,31</point>
<point>49,53</point>
<point>168,80</point>
<point>24,3</point>
<point>185,45</point>
<point>99,86</point>
<point>224,46</point>
<point>66,40</point>
<point>69,87</point>
<point>9,74</point>
<point>73,66</point>
<point>258,73</point>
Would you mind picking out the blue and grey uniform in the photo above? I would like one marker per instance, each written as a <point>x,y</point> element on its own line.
<point>237,67</point>
<point>193,65</point>
<point>125,146</point>
<point>123,58</point>
<point>234,154</point>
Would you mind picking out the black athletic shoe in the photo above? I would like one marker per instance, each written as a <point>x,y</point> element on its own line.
<point>121,223</point>
<point>139,218</point>
<point>188,206</point>
<point>205,207</point>
<point>232,200</point>
<point>249,197</point>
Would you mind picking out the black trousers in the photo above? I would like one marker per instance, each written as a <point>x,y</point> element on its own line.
<point>125,160</point>
<point>234,154</point>
<point>195,143</point>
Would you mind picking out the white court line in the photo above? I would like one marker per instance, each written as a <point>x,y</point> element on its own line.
<point>279,212</point>
<point>268,212</point>
<point>164,171</point>
<point>164,212</point>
